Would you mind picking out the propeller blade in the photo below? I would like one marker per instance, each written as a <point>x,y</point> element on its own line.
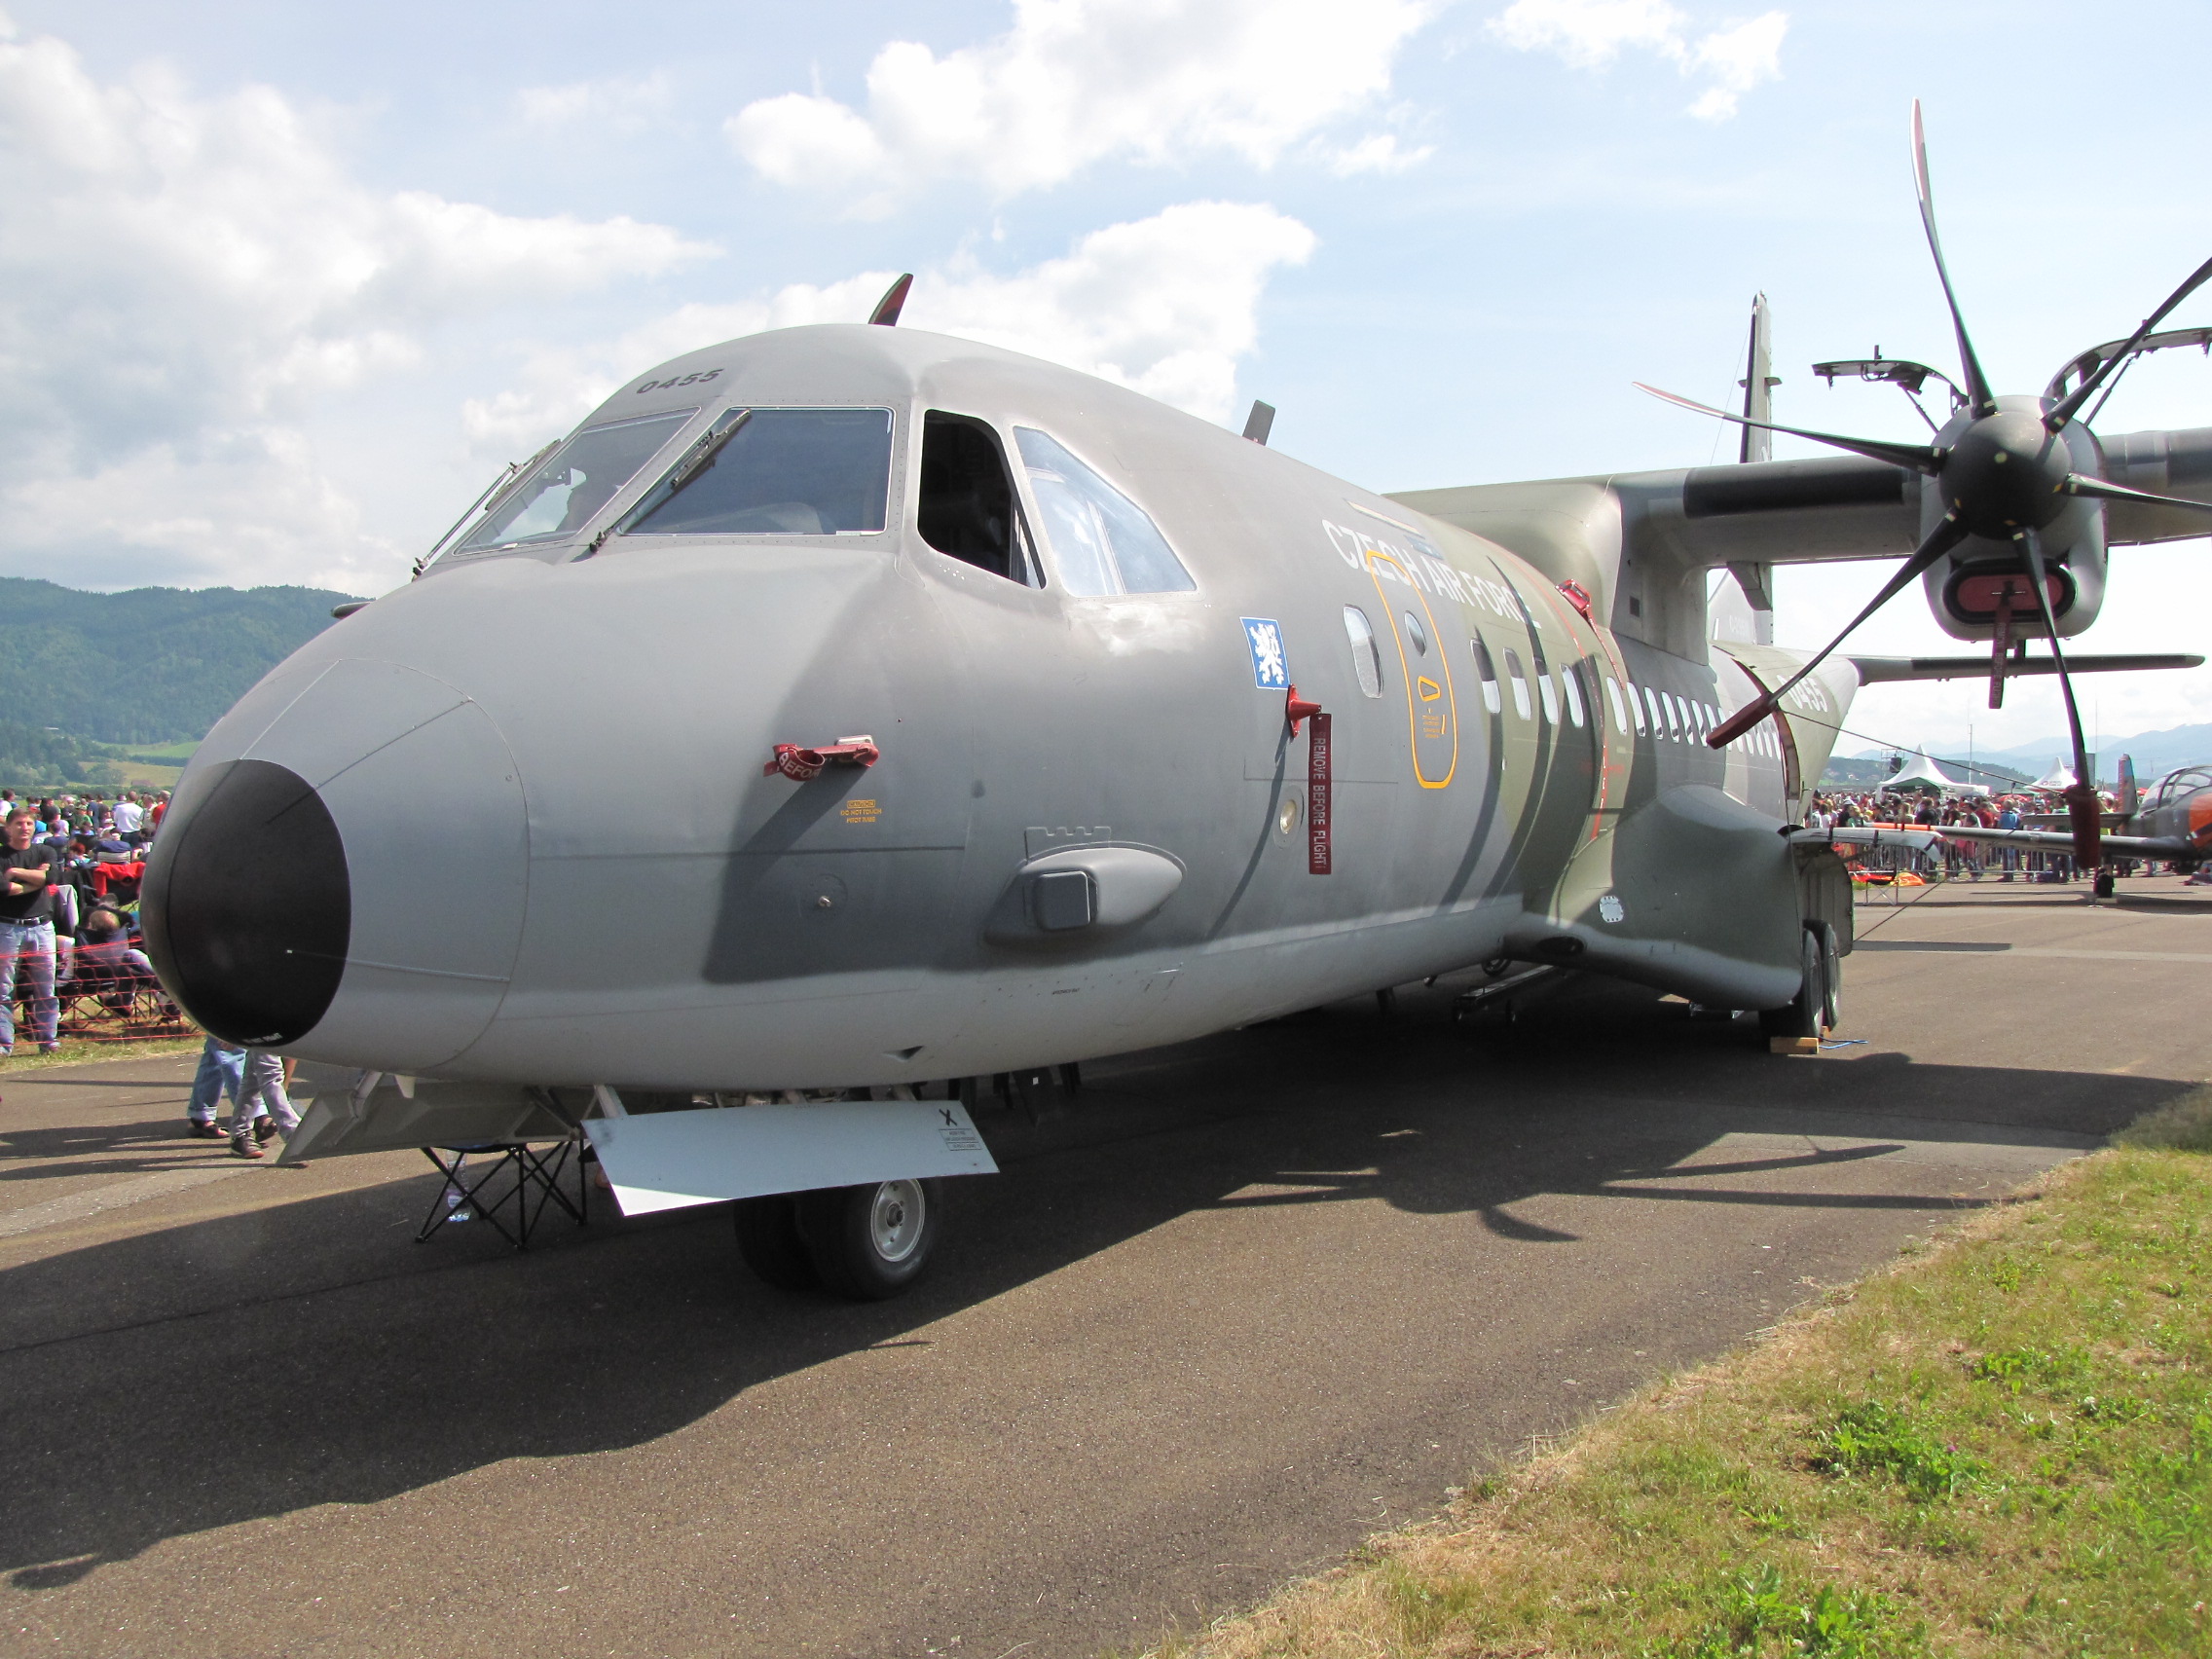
<point>1917,458</point>
<point>2077,485</point>
<point>2082,800</point>
<point>1941,541</point>
<point>2064,410</point>
<point>893,301</point>
<point>1984,402</point>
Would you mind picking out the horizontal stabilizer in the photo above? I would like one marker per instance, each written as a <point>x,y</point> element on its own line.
<point>1874,670</point>
<point>662,1161</point>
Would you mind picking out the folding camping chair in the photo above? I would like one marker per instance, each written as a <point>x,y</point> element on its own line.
<point>530,1171</point>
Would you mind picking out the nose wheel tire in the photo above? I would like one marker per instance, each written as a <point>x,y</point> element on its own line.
<point>2102,885</point>
<point>769,1241</point>
<point>872,1242</point>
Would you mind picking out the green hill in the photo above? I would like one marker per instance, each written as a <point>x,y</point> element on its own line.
<point>144,668</point>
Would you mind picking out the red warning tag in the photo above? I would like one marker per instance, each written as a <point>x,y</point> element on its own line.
<point>1317,795</point>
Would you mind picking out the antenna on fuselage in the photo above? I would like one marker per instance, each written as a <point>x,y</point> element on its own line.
<point>893,301</point>
<point>1260,422</point>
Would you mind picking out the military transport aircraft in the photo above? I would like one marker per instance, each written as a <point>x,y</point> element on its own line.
<point>987,716</point>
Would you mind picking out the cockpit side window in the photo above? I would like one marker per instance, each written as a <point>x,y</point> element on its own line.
<point>561,495</point>
<point>1102,542</point>
<point>778,472</point>
<point>967,506</point>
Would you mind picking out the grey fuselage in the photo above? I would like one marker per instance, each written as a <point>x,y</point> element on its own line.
<point>562,862</point>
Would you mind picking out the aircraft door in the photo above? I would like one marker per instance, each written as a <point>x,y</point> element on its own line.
<point>1432,714</point>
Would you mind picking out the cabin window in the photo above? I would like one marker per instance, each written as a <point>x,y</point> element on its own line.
<point>1103,542</point>
<point>1520,684</point>
<point>778,472</point>
<point>1414,632</point>
<point>1487,672</point>
<point>967,507</point>
<point>1366,659</point>
<point>1544,683</point>
<point>1672,711</point>
<point>1571,688</point>
<point>1613,702</point>
<point>1635,706</point>
<point>561,497</point>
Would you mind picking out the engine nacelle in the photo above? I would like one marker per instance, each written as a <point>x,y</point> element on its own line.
<point>1969,591</point>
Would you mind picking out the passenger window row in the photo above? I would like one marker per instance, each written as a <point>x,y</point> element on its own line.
<point>1677,720</point>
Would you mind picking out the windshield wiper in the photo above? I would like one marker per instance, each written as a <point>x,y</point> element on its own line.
<point>494,496</point>
<point>703,454</point>
<point>686,471</point>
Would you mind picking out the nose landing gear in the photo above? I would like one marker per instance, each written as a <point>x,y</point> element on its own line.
<point>866,1243</point>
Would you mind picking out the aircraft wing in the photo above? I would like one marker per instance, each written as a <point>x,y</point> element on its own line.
<point>1867,835</point>
<point>2062,841</point>
<point>1791,512</point>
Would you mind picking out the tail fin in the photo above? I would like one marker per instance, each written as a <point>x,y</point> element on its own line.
<point>2130,799</point>
<point>1756,580</point>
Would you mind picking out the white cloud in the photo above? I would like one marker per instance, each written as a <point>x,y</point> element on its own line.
<point>623,102</point>
<point>1376,153</point>
<point>1590,34</point>
<point>1165,305</point>
<point>1078,80</point>
<point>184,278</point>
<point>1738,60</point>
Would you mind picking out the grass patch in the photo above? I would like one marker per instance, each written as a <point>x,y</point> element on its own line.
<point>78,1051</point>
<point>2001,1446</point>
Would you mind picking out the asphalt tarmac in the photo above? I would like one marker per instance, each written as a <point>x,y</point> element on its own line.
<point>1228,1311</point>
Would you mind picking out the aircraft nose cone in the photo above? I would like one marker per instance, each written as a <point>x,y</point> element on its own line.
<point>344,869</point>
<point>247,905</point>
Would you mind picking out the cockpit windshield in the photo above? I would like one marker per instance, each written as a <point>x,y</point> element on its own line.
<point>2186,782</point>
<point>580,477</point>
<point>777,472</point>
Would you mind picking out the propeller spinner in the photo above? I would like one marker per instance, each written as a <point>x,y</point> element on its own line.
<point>2007,474</point>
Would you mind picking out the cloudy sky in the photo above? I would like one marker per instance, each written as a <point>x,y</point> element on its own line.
<point>282,284</point>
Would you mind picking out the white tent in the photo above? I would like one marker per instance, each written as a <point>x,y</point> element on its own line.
<point>2059,777</point>
<point>1921,773</point>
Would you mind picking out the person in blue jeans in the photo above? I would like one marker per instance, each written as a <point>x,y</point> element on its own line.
<point>222,1071</point>
<point>26,933</point>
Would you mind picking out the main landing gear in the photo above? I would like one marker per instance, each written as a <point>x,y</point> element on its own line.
<point>866,1243</point>
<point>1819,1003</point>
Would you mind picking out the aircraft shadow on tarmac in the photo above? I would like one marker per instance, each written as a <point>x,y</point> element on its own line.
<point>144,1148</point>
<point>306,1353</point>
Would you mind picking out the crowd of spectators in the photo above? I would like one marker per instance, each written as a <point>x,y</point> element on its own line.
<point>1957,858</point>
<point>69,917</point>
